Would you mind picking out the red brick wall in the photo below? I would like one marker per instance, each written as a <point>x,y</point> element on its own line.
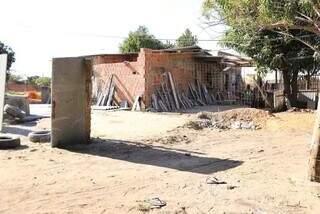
<point>13,86</point>
<point>128,76</point>
<point>184,69</point>
<point>179,64</point>
<point>115,58</point>
<point>144,75</point>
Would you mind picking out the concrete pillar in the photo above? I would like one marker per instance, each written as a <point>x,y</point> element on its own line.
<point>71,101</point>
<point>3,72</point>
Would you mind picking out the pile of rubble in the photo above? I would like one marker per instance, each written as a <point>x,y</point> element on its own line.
<point>170,140</point>
<point>294,109</point>
<point>243,118</point>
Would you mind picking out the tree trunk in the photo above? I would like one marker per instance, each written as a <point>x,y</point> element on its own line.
<point>308,80</point>
<point>294,89</point>
<point>314,159</point>
<point>290,86</point>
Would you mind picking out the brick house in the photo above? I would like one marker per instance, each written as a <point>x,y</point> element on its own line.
<point>141,74</point>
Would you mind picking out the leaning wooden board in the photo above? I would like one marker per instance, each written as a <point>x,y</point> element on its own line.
<point>174,90</point>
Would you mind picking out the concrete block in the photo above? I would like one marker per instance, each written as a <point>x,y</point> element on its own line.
<point>71,99</point>
<point>3,71</point>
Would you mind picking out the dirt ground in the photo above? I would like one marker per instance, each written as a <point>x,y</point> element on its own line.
<point>261,171</point>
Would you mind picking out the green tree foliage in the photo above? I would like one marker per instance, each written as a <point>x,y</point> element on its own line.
<point>4,49</point>
<point>32,80</point>
<point>256,29</point>
<point>15,78</point>
<point>38,81</point>
<point>141,38</point>
<point>43,82</point>
<point>187,39</point>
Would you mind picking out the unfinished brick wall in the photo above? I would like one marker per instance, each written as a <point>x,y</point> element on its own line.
<point>210,74</point>
<point>115,58</point>
<point>184,68</point>
<point>142,74</point>
<point>20,87</point>
<point>127,75</point>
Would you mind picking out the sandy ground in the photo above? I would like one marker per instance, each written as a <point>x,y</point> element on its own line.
<point>265,171</point>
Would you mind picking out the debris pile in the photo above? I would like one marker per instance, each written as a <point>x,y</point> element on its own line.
<point>294,109</point>
<point>172,139</point>
<point>243,118</point>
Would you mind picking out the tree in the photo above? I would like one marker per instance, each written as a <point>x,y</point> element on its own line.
<point>38,81</point>
<point>32,80</point>
<point>43,82</point>
<point>269,49</point>
<point>4,49</point>
<point>286,18</point>
<point>15,78</point>
<point>187,39</point>
<point>141,38</point>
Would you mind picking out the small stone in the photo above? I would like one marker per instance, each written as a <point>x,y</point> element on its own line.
<point>230,187</point>
<point>236,125</point>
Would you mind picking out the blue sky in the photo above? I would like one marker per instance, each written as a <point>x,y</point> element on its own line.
<point>39,30</point>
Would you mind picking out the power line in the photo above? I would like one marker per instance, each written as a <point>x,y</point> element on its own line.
<point>217,39</point>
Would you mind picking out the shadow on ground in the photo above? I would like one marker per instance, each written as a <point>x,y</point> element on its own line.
<point>16,130</point>
<point>156,156</point>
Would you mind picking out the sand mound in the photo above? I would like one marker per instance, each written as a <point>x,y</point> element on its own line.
<point>242,118</point>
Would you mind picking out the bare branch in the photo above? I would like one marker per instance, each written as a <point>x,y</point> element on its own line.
<point>298,39</point>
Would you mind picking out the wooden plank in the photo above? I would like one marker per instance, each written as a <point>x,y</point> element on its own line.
<point>100,98</point>
<point>104,107</point>
<point>195,91</point>
<point>136,103</point>
<point>188,100</point>
<point>206,95</point>
<point>194,97</point>
<point>182,102</point>
<point>107,92</point>
<point>167,98</point>
<point>174,90</point>
<point>111,94</point>
<point>170,97</point>
<point>199,90</point>
<point>163,106</point>
<point>3,71</point>
<point>155,101</point>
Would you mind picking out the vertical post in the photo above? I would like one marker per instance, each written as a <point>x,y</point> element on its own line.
<point>314,158</point>
<point>3,73</point>
<point>71,96</point>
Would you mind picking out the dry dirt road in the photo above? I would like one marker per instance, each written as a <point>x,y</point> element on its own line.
<point>264,171</point>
